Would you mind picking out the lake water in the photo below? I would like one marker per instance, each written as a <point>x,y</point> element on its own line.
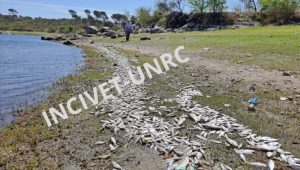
<point>28,67</point>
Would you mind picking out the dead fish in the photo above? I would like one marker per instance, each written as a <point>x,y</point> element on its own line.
<point>231,141</point>
<point>181,121</point>
<point>113,141</point>
<point>271,154</point>
<point>194,117</point>
<point>103,157</point>
<point>100,143</point>
<point>243,157</point>
<point>116,166</point>
<point>161,150</point>
<point>244,151</point>
<point>179,153</point>
<point>183,163</point>
<point>258,164</point>
<point>112,148</point>
<point>225,167</point>
<point>271,164</point>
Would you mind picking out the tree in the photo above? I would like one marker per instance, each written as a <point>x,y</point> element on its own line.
<point>250,5</point>
<point>89,16</point>
<point>216,5</point>
<point>75,17</point>
<point>73,14</point>
<point>280,9</point>
<point>163,6</point>
<point>199,5</point>
<point>119,18</point>
<point>13,12</point>
<point>178,5</point>
<point>133,19</point>
<point>101,15</point>
<point>87,12</point>
<point>143,15</point>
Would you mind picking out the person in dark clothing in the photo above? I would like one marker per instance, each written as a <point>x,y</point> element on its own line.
<point>128,28</point>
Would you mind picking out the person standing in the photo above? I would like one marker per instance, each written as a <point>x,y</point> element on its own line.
<point>128,28</point>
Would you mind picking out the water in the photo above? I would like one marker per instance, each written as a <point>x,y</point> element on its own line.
<point>28,67</point>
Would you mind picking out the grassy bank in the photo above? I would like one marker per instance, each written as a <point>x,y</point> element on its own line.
<point>19,142</point>
<point>270,47</point>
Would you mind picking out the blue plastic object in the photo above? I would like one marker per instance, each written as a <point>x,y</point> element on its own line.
<point>253,101</point>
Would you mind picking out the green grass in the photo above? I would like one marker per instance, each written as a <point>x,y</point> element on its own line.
<point>270,47</point>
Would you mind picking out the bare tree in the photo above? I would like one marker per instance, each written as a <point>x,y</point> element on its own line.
<point>178,5</point>
<point>251,5</point>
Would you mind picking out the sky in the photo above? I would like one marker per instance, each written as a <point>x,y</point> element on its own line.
<point>59,8</point>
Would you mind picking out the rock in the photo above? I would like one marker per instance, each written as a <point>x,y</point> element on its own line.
<point>104,29</point>
<point>67,43</point>
<point>206,49</point>
<point>286,74</point>
<point>47,38</point>
<point>108,34</point>
<point>252,88</point>
<point>143,30</point>
<point>145,38</point>
<point>1,32</point>
<point>157,29</point>
<point>297,91</point>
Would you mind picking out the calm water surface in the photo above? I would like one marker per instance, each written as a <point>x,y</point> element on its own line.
<point>28,67</point>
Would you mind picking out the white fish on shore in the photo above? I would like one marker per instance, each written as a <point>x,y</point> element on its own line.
<point>271,165</point>
<point>113,141</point>
<point>100,143</point>
<point>116,166</point>
<point>258,164</point>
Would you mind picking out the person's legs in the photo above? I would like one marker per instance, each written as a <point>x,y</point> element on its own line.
<point>127,36</point>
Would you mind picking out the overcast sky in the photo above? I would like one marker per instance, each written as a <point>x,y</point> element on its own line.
<point>59,8</point>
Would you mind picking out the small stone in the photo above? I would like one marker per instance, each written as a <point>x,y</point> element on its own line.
<point>286,74</point>
<point>206,49</point>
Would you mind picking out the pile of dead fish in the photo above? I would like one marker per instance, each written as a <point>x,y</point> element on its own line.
<point>129,114</point>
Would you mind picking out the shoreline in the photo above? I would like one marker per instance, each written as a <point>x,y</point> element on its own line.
<point>10,116</point>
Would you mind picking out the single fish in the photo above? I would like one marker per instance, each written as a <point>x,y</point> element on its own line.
<point>116,166</point>
<point>271,164</point>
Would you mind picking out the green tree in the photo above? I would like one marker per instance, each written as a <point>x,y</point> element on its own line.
<point>75,17</point>
<point>101,15</point>
<point>143,15</point>
<point>199,5</point>
<point>13,12</point>
<point>119,18</point>
<point>133,19</point>
<point>280,9</point>
<point>216,5</point>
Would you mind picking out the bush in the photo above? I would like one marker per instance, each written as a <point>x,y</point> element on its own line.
<point>65,29</point>
<point>51,30</point>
